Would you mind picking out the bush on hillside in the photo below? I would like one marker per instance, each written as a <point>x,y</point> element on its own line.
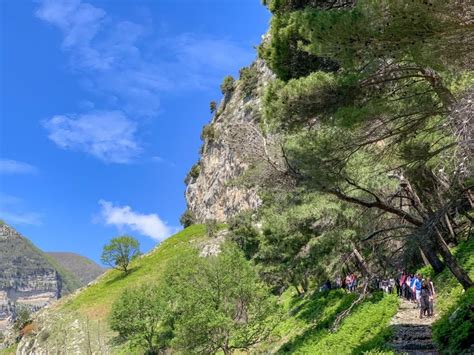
<point>140,316</point>
<point>23,318</point>
<point>220,304</point>
<point>227,86</point>
<point>212,227</point>
<point>187,218</point>
<point>244,233</point>
<point>213,106</point>
<point>193,173</point>
<point>248,80</point>
<point>454,331</point>
<point>208,133</point>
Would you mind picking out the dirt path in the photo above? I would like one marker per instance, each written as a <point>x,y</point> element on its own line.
<point>412,335</point>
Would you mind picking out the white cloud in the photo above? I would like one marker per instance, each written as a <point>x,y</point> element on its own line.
<point>146,224</point>
<point>107,135</point>
<point>8,166</point>
<point>128,66</point>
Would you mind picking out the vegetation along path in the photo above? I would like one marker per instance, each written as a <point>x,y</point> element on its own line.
<point>412,335</point>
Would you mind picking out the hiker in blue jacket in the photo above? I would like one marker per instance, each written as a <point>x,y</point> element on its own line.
<point>418,285</point>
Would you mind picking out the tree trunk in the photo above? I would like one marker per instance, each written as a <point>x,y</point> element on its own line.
<point>459,273</point>
<point>423,256</point>
<point>436,82</point>
<point>431,256</point>
<point>305,284</point>
<point>361,262</point>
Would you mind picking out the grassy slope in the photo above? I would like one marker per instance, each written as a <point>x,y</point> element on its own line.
<point>306,331</point>
<point>96,300</point>
<point>88,310</point>
<point>8,351</point>
<point>453,335</point>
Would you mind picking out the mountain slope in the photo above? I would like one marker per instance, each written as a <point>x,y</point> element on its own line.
<point>27,276</point>
<point>82,268</point>
<point>78,323</point>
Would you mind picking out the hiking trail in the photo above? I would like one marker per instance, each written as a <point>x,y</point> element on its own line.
<point>412,335</point>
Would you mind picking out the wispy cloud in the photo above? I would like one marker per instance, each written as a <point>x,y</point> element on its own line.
<point>12,210</point>
<point>128,67</point>
<point>149,225</point>
<point>9,166</point>
<point>107,135</point>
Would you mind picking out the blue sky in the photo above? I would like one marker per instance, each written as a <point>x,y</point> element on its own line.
<point>101,108</point>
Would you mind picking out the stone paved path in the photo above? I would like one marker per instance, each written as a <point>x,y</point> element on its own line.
<point>412,335</point>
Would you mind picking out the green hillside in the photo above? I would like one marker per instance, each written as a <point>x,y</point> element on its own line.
<point>91,307</point>
<point>19,255</point>
<point>96,300</point>
<point>83,269</point>
<point>304,326</point>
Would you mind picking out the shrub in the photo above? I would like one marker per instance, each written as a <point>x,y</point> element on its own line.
<point>208,133</point>
<point>140,316</point>
<point>212,228</point>
<point>454,331</point>
<point>23,318</point>
<point>227,86</point>
<point>187,218</point>
<point>249,80</point>
<point>221,306</point>
<point>244,233</point>
<point>193,173</point>
<point>213,106</point>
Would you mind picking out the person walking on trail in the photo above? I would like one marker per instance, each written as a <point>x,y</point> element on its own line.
<point>348,282</point>
<point>403,285</point>
<point>408,287</point>
<point>431,298</point>
<point>418,287</point>
<point>424,299</point>
<point>353,282</point>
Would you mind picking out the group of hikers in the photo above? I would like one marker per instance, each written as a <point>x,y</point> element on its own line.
<point>413,287</point>
<point>419,290</point>
<point>349,283</point>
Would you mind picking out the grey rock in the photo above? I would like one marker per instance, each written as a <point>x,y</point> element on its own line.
<point>238,142</point>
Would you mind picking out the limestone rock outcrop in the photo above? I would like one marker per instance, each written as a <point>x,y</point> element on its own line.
<point>27,279</point>
<point>234,142</point>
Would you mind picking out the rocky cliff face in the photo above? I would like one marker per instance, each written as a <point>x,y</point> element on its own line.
<point>232,142</point>
<point>27,279</point>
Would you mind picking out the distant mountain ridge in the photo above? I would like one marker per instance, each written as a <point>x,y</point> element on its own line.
<point>83,269</point>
